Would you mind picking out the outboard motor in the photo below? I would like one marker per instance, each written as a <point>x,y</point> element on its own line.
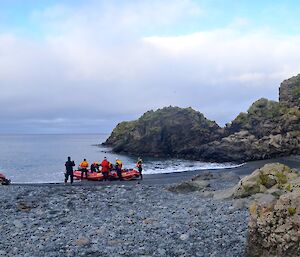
<point>4,180</point>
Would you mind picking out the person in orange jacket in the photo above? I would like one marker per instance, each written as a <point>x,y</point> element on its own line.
<point>84,168</point>
<point>105,168</point>
<point>118,167</point>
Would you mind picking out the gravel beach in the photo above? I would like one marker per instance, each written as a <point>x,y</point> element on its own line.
<point>137,218</point>
<point>117,220</point>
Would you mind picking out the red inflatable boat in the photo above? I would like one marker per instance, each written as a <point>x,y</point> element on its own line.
<point>4,180</point>
<point>90,175</point>
<point>127,174</point>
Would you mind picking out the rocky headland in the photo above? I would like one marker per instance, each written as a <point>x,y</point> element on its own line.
<point>268,129</point>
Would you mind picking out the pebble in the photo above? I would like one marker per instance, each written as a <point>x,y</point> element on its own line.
<point>117,221</point>
<point>184,237</point>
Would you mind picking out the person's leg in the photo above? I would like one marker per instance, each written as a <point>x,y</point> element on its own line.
<point>141,174</point>
<point>72,177</point>
<point>86,172</point>
<point>66,177</point>
<point>82,174</point>
<point>119,173</point>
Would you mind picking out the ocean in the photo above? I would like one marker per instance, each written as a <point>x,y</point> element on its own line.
<point>41,158</point>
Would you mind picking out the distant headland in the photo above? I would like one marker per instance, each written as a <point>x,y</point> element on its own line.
<point>268,129</point>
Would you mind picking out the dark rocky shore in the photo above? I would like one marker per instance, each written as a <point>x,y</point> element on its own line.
<point>139,218</point>
<point>269,129</point>
<point>117,221</point>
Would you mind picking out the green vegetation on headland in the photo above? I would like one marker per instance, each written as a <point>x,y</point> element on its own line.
<point>268,129</point>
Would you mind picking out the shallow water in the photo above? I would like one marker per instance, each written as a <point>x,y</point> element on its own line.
<point>41,158</point>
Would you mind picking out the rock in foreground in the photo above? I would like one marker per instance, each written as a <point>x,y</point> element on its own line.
<point>274,229</point>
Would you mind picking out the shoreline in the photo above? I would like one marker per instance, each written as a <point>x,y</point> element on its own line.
<point>177,177</point>
<point>125,218</point>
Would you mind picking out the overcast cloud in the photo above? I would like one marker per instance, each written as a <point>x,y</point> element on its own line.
<point>84,68</point>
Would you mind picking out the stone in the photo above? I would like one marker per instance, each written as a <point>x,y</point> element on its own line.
<point>184,237</point>
<point>240,204</point>
<point>189,186</point>
<point>2,252</point>
<point>83,241</point>
<point>18,224</point>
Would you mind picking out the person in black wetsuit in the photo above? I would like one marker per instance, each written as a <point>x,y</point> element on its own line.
<point>69,170</point>
<point>139,165</point>
<point>95,167</point>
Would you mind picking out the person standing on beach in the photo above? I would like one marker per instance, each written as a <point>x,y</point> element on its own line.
<point>69,170</point>
<point>95,167</point>
<point>139,165</point>
<point>84,166</point>
<point>118,167</point>
<point>105,168</point>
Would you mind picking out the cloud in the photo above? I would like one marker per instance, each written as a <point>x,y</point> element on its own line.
<point>100,63</point>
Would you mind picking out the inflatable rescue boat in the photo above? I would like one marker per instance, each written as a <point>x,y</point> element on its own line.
<point>96,176</point>
<point>4,180</point>
<point>127,174</point>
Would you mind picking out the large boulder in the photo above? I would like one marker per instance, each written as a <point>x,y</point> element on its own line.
<point>165,132</point>
<point>274,228</point>
<point>268,179</point>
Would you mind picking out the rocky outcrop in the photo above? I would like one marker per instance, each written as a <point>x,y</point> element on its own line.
<point>274,178</point>
<point>264,118</point>
<point>244,146</point>
<point>165,132</point>
<point>289,92</point>
<point>274,229</point>
<point>274,224</point>
<point>268,129</point>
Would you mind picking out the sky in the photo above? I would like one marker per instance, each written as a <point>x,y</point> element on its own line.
<point>82,66</point>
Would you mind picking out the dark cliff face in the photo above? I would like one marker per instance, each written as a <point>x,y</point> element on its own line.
<point>265,118</point>
<point>289,92</point>
<point>268,129</point>
<point>164,132</point>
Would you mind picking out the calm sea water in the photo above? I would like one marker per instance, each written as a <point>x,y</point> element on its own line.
<point>41,158</point>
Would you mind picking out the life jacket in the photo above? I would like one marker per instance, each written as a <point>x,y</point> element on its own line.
<point>139,164</point>
<point>119,164</point>
<point>84,164</point>
<point>105,166</point>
